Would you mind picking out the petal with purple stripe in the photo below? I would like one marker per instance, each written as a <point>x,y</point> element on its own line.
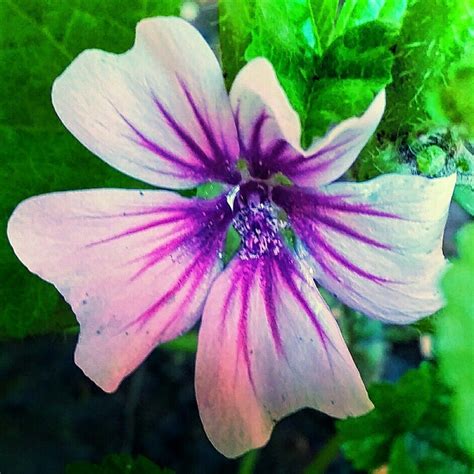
<point>158,112</point>
<point>376,245</point>
<point>270,131</point>
<point>135,266</point>
<point>268,346</point>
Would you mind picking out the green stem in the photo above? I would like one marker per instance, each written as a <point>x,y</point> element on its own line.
<point>325,456</point>
<point>248,463</point>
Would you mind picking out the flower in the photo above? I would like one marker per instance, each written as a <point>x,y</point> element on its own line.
<point>140,267</point>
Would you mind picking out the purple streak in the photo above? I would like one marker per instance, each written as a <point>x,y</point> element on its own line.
<point>307,202</point>
<point>150,145</point>
<point>346,230</point>
<point>268,297</point>
<point>198,152</point>
<point>242,338</point>
<point>221,157</point>
<point>287,272</point>
<point>317,244</point>
<point>137,229</point>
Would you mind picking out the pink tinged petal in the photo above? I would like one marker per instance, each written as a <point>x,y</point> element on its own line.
<point>376,245</point>
<point>158,112</point>
<point>135,267</point>
<point>268,346</point>
<point>270,131</point>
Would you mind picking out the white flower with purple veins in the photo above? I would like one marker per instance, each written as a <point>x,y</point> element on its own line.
<point>140,267</point>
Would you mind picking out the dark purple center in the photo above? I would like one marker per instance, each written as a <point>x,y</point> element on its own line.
<point>256,222</point>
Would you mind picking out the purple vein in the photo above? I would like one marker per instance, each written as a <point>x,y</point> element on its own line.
<point>254,148</point>
<point>290,284</point>
<point>137,229</point>
<point>195,283</point>
<point>322,151</point>
<point>150,145</point>
<point>349,231</point>
<point>203,124</point>
<point>184,135</point>
<point>233,289</point>
<point>270,310</point>
<point>329,250</point>
<point>242,338</point>
<point>334,202</point>
<point>144,317</point>
<point>157,254</point>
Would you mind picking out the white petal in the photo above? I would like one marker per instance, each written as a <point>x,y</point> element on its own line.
<point>376,245</point>
<point>135,266</point>
<point>158,112</point>
<point>268,346</point>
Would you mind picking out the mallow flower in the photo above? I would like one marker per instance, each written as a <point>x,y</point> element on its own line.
<point>141,267</point>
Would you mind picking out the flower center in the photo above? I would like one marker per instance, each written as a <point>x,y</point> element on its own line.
<point>256,222</point>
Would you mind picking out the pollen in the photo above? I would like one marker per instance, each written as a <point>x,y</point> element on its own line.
<point>259,230</point>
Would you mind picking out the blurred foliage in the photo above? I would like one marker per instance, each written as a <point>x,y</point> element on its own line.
<point>451,103</point>
<point>38,39</point>
<point>185,343</point>
<point>430,88</point>
<point>118,464</point>
<point>368,342</point>
<point>464,195</point>
<point>409,429</point>
<point>454,337</point>
<point>434,35</point>
<point>464,191</point>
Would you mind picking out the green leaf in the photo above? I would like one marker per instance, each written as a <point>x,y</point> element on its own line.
<point>357,12</point>
<point>278,34</point>
<point>232,245</point>
<point>38,39</point>
<point>326,81</point>
<point>354,68</point>
<point>235,26</point>
<point>400,459</point>
<point>408,427</point>
<point>323,20</point>
<point>118,464</point>
<point>455,329</point>
<point>274,29</point>
<point>367,439</point>
<point>367,340</point>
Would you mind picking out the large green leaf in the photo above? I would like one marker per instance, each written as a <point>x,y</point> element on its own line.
<point>38,39</point>
<point>454,336</point>
<point>327,75</point>
<point>354,68</point>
